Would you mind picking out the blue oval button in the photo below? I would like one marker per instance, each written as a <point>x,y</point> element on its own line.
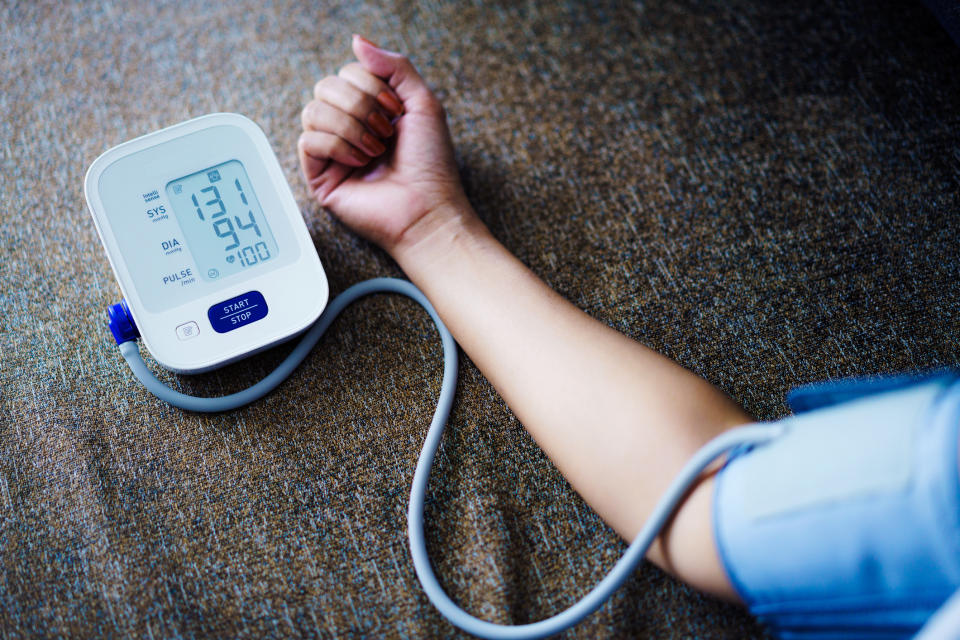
<point>236,312</point>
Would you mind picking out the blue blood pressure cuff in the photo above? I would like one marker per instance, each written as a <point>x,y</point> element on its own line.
<point>848,525</point>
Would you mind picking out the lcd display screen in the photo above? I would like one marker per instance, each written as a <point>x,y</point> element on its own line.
<point>223,224</point>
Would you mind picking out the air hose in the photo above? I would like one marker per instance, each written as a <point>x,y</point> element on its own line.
<point>746,435</point>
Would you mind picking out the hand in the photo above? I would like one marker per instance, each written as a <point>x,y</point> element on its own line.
<point>379,186</point>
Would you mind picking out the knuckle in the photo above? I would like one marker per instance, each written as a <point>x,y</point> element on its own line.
<point>308,113</point>
<point>302,142</point>
<point>322,86</point>
<point>349,69</point>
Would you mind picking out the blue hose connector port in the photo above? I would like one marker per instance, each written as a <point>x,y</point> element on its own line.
<point>122,326</point>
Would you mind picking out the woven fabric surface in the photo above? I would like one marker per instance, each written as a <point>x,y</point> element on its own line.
<point>765,192</point>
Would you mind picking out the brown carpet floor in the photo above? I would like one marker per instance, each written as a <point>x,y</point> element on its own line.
<point>766,192</point>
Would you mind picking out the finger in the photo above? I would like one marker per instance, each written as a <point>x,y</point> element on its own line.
<point>399,73</point>
<point>355,74</point>
<point>310,166</point>
<point>321,145</point>
<point>344,96</point>
<point>321,174</point>
<point>321,116</point>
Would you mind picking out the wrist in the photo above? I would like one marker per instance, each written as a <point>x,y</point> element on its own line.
<point>436,233</point>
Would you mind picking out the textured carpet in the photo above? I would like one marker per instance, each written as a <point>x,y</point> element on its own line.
<point>766,192</point>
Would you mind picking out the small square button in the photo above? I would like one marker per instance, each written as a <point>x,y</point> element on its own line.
<point>188,330</point>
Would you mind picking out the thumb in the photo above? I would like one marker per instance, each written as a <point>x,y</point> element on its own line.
<point>397,71</point>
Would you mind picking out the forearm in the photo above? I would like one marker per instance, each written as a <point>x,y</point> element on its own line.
<point>618,419</point>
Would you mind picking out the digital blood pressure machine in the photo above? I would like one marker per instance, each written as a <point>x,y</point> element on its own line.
<point>206,241</point>
<point>215,264</point>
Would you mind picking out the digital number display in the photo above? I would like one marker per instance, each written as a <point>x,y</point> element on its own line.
<point>222,221</point>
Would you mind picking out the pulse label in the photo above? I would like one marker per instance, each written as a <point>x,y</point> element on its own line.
<point>183,277</point>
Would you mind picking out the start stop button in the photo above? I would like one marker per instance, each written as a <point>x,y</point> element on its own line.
<point>237,311</point>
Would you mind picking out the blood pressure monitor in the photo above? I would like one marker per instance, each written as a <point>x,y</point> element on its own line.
<point>206,241</point>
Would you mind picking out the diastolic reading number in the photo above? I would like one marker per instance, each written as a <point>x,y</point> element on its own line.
<point>224,227</point>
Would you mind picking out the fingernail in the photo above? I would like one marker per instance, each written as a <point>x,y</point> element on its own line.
<point>362,39</point>
<point>391,104</point>
<point>379,124</point>
<point>374,146</point>
<point>359,156</point>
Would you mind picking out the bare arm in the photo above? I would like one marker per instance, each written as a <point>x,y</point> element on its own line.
<point>617,419</point>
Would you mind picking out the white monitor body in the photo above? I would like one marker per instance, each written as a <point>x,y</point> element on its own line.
<point>206,241</point>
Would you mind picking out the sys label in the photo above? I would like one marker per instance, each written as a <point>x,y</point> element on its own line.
<point>157,214</point>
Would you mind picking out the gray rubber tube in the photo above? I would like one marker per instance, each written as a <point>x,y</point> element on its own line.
<point>750,434</point>
<point>131,352</point>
